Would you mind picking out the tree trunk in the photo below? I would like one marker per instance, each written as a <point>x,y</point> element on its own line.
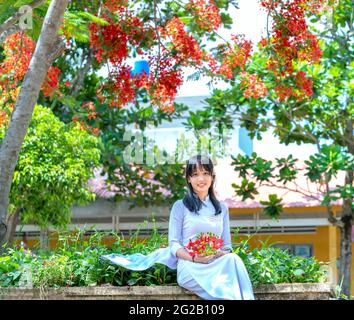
<point>346,253</point>
<point>79,80</point>
<point>347,219</point>
<point>12,222</point>
<point>47,46</point>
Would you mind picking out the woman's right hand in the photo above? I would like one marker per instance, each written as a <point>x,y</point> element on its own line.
<point>200,258</point>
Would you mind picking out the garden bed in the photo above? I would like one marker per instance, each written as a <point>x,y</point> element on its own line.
<point>288,291</point>
<point>74,271</point>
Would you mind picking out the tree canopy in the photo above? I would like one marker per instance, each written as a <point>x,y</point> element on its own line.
<point>53,169</point>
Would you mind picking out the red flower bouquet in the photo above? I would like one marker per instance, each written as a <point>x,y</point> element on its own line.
<point>205,244</point>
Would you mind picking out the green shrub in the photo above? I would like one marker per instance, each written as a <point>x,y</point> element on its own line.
<point>13,264</point>
<point>268,264</point>
<point>274,265</point>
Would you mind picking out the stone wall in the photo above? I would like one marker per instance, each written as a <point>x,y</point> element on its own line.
<point>294,291</point>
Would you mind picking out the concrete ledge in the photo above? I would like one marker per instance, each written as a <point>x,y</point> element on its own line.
<point>295,291</point>
<point>284,291</point>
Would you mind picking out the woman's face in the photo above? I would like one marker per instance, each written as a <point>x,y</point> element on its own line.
<point>200,180</point>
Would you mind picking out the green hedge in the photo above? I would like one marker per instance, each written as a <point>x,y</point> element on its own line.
<point>75,262</point>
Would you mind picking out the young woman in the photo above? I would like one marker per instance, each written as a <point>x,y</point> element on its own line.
<point>219,276</point>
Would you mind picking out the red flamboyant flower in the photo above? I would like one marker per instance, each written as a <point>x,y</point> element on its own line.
<point>291,41</point>
<point>18,50</point>
<point>291,38</point>
<point>252,86</point>
<point>90,109</point>
<point>212,63</point>
<point>283,92</point>
<point>115,5</point>
<point>176,48</point>
<point>304,84</point>
<point>206,14</point>
<point>309,48</point>
<point>3,118</point>
<point>236,56</point>
<point>205,244</point>
<point>110,42</point>
<point>163,85</point>
<point>186,49</point>
<point>51,84</point>
<point>91,114</point>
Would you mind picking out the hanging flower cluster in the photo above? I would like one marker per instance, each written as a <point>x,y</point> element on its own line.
<point>51,84</point>
<point>115,5</point>
<point>118,90</point>
<point>18,51</point>
<point>112,43</point>
<point>166,76</point>
<point>186,50</point>
<point>290,41</point>
<point>304,84</point>
<point>3,117</point>
<point>206,13</point>
<point>89,113</point>
<point>236,56</point>
<point>252,87</point>
<point>205,244</point>
<point>291,38</point>
<point>163,88</point>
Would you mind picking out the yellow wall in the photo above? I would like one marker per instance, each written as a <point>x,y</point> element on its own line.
<point>319,241</point>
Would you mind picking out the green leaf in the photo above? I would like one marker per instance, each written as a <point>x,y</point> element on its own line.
<point>298,272</point>
<point>6,258</point>
<point>273,207</point>
<point>186,20</point>
<point>131,282</point>
<point>69,101</point>
<point>93,18</point>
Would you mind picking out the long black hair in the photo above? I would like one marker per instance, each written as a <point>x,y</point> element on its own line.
<point>191,199</point>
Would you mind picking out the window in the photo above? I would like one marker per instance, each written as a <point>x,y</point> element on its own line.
<point>302,250</point>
